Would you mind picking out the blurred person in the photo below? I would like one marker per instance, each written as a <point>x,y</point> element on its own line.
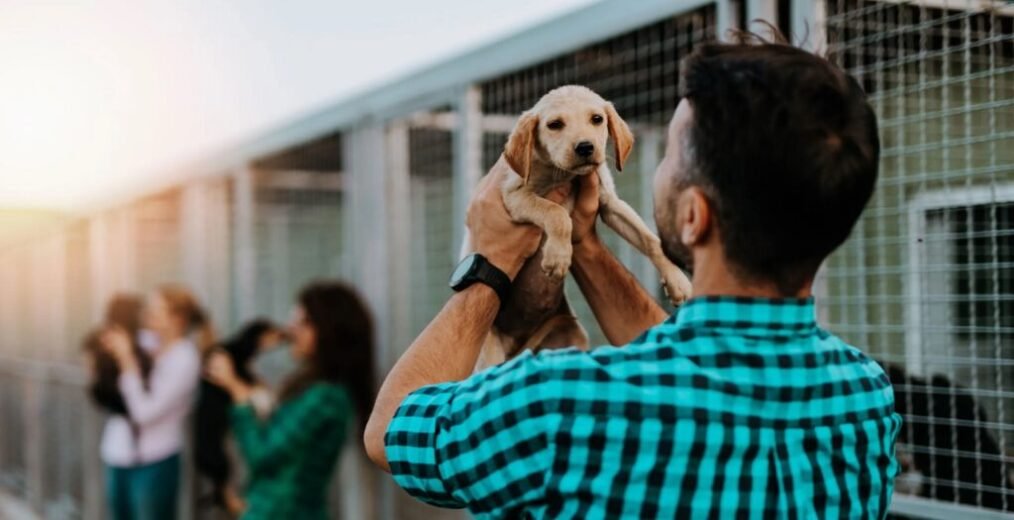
<point>739,405</point>
<point>142,455</point>
<point>124,311</point>
<point>291,456</point>
<point>211,419</point>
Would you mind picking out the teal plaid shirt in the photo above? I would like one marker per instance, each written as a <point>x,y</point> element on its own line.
<point>732,408</point>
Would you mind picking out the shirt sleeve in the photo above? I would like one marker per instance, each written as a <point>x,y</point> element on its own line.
<point>291,429</point>
<point>483,443</point>
<point>171,387</point>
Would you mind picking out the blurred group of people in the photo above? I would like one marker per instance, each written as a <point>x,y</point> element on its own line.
<point>155,361</point>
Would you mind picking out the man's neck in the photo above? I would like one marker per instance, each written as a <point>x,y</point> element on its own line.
<point>715,277</point>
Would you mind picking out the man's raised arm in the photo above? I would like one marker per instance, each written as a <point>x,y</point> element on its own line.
<point>622,307</point>
<point>448,348</point>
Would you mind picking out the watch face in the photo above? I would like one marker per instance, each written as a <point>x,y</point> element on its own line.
<point>463,269</point>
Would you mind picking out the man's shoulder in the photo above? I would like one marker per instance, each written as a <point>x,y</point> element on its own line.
<point>852,356</point>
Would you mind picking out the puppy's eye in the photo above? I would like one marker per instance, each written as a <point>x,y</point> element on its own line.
<point>555,124</point>
<point>597,119</point>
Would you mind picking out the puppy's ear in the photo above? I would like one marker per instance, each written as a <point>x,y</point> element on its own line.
<point>521,144</point>
<point>619,132</point>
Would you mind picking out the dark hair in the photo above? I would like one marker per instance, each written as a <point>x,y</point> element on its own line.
<point>785,146</point>
<point>211,418</point>
<point>124,311</point>
<point>344,350</point>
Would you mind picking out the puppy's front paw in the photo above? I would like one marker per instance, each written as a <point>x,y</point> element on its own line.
<point>677,286</point>
<point>556,259</point>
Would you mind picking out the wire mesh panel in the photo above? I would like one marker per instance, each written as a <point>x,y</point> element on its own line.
<point>431,223</point>
<point>64,453</point>
<point>298,237</point>
<point>13,331</point>
<point>638,72</point>
<point>157,240</point>
<point>78,295</point>
<point>298,229</point>
<point>926,282</point>
<point>12,435</point>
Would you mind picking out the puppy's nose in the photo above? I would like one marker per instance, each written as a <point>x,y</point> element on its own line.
<point>584,148</point>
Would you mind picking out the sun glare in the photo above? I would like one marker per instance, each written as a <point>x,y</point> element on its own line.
<point>57,110</point>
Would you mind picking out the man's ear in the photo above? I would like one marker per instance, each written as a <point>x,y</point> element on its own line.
<point>521,144</point>
<point>696,216</point>
<point>619,132</point>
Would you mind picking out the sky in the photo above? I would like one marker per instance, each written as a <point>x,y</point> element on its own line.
<point>94,95</point>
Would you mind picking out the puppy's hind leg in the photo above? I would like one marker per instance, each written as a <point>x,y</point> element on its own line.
<point>491,354</point>
<point>567,332</point>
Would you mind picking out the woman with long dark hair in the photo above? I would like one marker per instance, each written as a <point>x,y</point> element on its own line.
<point>211,419</point>
<point>142,454</point>
<point>292,455</point>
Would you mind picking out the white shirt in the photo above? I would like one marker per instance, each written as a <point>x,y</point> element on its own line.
<point>159,412</point>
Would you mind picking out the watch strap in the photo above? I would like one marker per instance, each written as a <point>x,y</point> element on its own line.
<point>492,276</point>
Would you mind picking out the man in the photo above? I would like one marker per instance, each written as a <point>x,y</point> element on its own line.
<point>738,405</point>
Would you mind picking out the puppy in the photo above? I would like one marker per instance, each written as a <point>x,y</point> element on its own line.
<point>558,140</point>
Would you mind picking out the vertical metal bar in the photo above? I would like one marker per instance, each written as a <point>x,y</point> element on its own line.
<point>245,254</point>
<point>397,152</point>
<point>467,158</point>
<point>218,243</point>
<point>725,18</point>
<point>766,10</point>
<point>33,439</point>
<point>194,240</point>
<point>99,268</point>
<point>808,24</point>
<point>93,507</point>
<point>124,248</point>
<point>998,354</point>
<point>279,244</point>
<point>364,150</point>
<point>652,141</point>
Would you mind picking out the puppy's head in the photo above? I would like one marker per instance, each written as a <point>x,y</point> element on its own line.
<point>568,128</point>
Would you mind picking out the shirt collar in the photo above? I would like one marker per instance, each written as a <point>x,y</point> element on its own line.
<point>748,316</point>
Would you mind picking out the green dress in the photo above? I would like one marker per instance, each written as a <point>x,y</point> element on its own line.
<point>290,458</point>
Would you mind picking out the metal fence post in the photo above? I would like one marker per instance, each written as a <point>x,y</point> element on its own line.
<point>33,441</point>
<point>766,10</point>
<point>807,20</point>
<point>651,143</point>
<point>194,230</point>
<point>245,248</point>
<point>368,245</point>
<point>725,18</point>
<point>467,153</point>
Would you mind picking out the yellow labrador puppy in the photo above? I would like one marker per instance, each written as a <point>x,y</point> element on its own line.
<point>562,137</point>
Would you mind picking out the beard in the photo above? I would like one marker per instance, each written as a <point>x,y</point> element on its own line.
<point>669,235</point>
<point>676,252</point>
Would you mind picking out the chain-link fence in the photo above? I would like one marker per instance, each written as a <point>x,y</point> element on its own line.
<point>374,191</point>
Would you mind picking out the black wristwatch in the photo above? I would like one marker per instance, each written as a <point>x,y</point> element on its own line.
<point>476,268</point>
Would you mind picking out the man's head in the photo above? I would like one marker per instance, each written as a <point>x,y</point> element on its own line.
<point>771,157</point>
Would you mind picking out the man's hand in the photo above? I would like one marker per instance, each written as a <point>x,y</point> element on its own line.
<point>505,243</point>
<point>586,209</point>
